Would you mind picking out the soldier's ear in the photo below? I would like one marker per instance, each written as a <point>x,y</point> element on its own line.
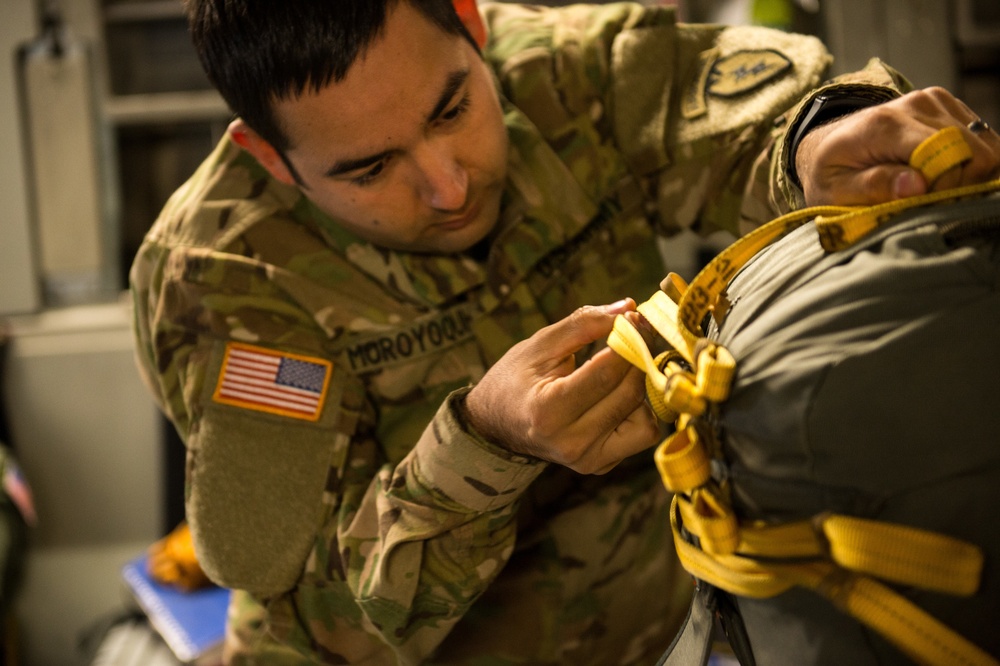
<point>247,139</point>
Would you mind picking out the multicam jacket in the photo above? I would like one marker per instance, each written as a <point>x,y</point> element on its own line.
<point>313,375</point>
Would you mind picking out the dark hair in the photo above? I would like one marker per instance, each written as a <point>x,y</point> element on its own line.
<point>259,51</point>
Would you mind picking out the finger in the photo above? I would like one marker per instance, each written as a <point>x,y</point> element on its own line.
<point>581,328</point>
<point>878,184</point>
<point>950,179</point>
<point>637,432</point>
<point>936,108</point>
<point>858,160</point>
<point>979,167</point>
<point>600,376</point>
<point>904,181</point>
<point>610,406</point>
<point>908,182</point>
<point>574,415</point>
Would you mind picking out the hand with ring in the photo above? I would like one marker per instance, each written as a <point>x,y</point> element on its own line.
<point>863,158</point>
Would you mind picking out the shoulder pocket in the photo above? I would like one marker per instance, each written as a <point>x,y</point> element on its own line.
<point>258,470</point>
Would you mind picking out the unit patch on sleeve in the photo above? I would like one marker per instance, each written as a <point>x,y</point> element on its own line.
<point>270,381</point>
<point>743,71</point>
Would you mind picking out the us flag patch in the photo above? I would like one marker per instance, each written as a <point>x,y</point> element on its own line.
<point>275,382</point>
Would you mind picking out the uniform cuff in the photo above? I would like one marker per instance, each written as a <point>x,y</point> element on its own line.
<point>838,100</point>
<point>875,84</point>
<point>457,462</point>
<point>824,108</point>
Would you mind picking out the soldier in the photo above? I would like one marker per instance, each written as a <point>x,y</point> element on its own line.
<point>374,313</point>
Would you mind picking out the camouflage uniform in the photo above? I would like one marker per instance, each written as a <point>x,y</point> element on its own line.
<point>362,521</point>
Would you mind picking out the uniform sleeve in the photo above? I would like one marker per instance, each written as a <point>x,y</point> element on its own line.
<point>351,556</point>
<point>420,541</point>
<point>698,114</point>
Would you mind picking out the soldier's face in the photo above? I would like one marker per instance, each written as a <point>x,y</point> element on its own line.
<point>409,151</point>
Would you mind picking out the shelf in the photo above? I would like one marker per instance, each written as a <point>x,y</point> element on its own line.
<point>194,106</point>
<point>148,10</point>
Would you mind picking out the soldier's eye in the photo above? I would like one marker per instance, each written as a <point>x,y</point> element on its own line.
<point>456,111</point>
<point>371,174</point>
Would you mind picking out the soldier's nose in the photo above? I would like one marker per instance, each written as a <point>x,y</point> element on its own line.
<point>446,183</point>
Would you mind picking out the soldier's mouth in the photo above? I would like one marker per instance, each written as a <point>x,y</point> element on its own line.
<point>461,221</point>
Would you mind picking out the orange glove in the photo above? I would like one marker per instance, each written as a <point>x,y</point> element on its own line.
<point>172,561</point>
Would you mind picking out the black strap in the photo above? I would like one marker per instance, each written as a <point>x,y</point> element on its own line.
<point>693,643</point>
<point>732,625</point>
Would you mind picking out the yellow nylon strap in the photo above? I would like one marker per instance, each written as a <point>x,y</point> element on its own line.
<point>706,287</point>
<point>630,345</point>
<point>787,540</point>
<point>918,635</point>
<point>716,367</point>
<point>756,568</point>
<point>904,554</point>
<point>712,521</point>
<point>734,574</point>
<point>841,231</point>
<point>673,391</point>
<point>661,312</point>
<point>838,226</point>
<point>682,461</point>
<point>673,286</point>
<point>684,395</point>
<point>940,152</point>
<point>891,552</point>
<point>655,387</point>
<point>923,638</point>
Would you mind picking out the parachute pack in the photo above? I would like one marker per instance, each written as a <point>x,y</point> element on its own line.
<point>833,379</point>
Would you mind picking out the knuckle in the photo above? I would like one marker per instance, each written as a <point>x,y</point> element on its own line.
<point>937,92</point>
<point>922,97</point>
<point>582,314</point>
<point>886,115</point>
<point>574,454</point>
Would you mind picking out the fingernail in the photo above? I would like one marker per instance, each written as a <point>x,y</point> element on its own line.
<point>618,307</point>
<point>907,184</point>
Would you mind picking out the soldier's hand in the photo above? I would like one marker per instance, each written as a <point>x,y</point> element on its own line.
<point>536,401</point>
<point>862,158</point>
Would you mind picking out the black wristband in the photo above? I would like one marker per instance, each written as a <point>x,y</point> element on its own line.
<point>824,108</point>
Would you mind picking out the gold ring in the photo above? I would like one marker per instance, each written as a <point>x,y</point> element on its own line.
<point>978,125</point>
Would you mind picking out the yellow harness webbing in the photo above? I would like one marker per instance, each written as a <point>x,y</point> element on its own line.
<point>839,557</point>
